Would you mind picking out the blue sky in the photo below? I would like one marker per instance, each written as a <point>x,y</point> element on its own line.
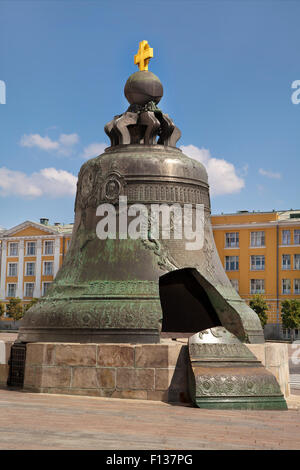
<point>227,68</point>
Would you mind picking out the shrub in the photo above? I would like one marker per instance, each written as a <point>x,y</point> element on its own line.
<point>259,305</point>
<point>290,314</point>
<point>14,308</point>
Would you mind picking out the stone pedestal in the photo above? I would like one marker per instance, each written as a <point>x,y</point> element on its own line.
<point>4,358</point>
<point>144,371</point>
<point>148,372</point>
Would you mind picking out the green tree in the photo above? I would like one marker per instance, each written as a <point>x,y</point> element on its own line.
<point>2,309</point>
<point>14,308</point>
<point>259,305</point>
<point>30,304</point>
<point>290,314</point>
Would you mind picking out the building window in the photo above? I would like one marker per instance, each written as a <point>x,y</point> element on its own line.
<point>257,239</point>
<point>68,244</point>
<point>257,286</point>
<point>286,237</point>
<point>257,263</point>
<point>30,269</point>
<point>13,249</point>
<point>48,247</point>
<point>286,286</point>
<point>46,286</point>
<point>235,284</point>
<point>30,248</point>
<point>296,237</point>
<point>11,290</point>
<point>232,263</point>
<point>232,240</point>
<point>12,269</point>
<point>296,261</point>
<point>48,268</point>
<point>296,286</point>
<point>29,288</point>
<point>286,262</point>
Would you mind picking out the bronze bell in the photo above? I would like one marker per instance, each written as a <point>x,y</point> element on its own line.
<point>108,289</point>
<point>226,375</point>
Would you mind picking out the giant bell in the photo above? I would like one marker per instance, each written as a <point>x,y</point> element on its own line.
<point>126,289</point>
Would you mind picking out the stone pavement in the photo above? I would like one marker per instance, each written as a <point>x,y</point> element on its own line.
<point>41,421</point>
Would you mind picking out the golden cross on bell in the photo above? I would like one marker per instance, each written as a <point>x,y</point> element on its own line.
<point>144,54</point>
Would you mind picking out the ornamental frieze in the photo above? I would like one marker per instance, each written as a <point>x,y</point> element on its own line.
<point>236,385</point>
<point>166,193</point>
<point>102,314</point>
<point>230,351</point>
<point>109,288</point>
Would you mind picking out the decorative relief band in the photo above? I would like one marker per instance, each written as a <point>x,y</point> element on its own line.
<point>102,314</point>
<point>236,385</point>
<point>167,192</point>
<point>112,187</point>
<point>108,288</point>
<point>220,351</point>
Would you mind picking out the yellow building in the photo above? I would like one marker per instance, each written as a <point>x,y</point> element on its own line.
<point>31,254</point>
<point>260,252</point>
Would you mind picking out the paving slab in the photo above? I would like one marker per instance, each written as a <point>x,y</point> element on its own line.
<point>42,421</point>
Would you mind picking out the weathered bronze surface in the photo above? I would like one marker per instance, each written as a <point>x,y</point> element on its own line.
<point>107,290</point>
<point>142,87</point>
<point>225,374</point>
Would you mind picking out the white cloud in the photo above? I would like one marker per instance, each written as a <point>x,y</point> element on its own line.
<point>68,139</point>
<point>269,174</point>
<point>222,175</point>
<point>36,140</point>
<point>47,182</point>
<point>94,149</point>
<point>58,181</point>
<point>63,145</point>
<point>66,142</point>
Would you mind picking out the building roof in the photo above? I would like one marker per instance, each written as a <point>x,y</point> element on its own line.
<point>284,214</point>
<point>50,229</point>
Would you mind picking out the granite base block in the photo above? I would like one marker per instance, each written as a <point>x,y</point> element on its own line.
<point>146,372</point>
<point>138,371</point>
